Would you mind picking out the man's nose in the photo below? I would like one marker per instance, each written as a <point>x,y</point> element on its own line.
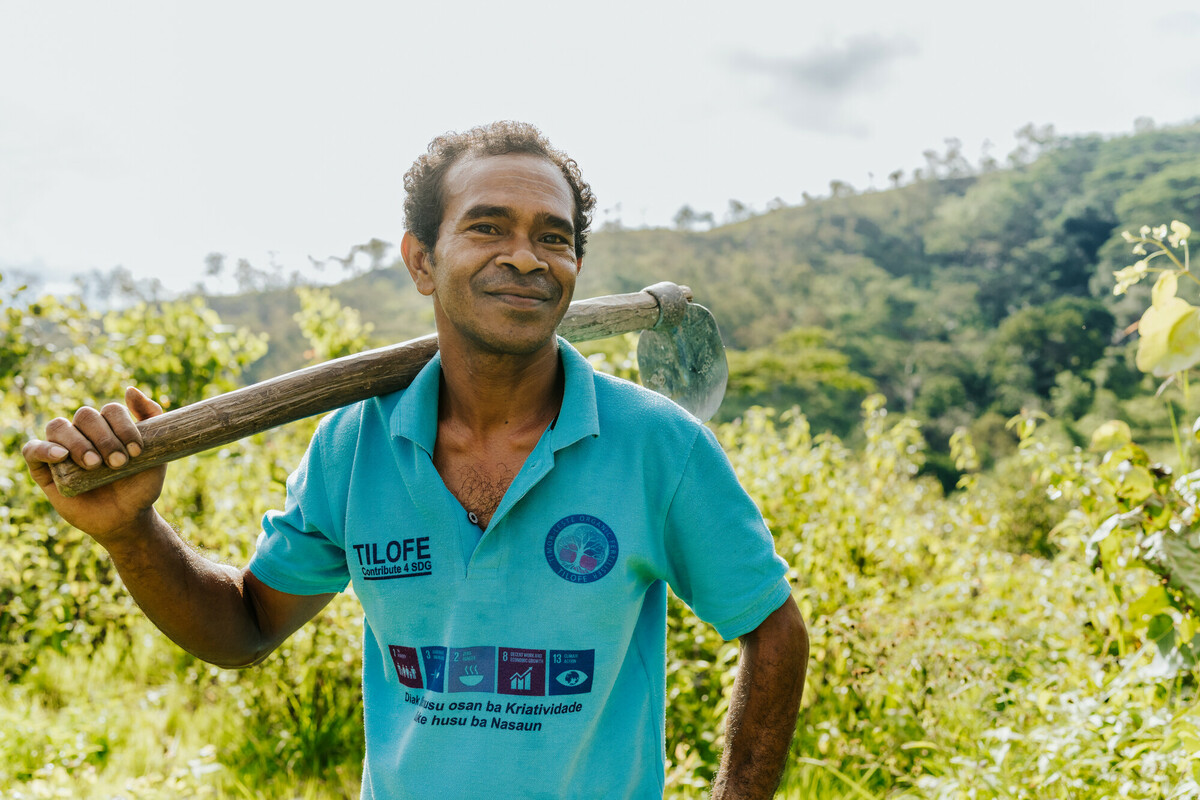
<point>523,259</point>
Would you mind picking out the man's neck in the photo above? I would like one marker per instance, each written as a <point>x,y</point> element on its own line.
<point>488,394</point>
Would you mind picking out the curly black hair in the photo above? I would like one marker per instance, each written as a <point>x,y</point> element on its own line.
<point>425,200</point>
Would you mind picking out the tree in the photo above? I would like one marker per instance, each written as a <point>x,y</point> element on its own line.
<point>840,189</point>
<point>800,368</point>
<point>687,218</point>
<point>1068,335</point>
<point>738,211</point>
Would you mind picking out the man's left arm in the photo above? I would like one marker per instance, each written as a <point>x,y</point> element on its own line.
<point>765,705</point>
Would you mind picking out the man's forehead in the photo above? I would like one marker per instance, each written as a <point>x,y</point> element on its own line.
<point>516,172</point>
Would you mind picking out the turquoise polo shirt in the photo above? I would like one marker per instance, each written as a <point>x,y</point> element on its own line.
<point>526,660</point>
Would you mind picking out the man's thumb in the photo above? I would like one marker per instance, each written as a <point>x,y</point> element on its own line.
<point>141,406</point>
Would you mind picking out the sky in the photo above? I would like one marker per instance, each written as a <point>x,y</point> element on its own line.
<point>148,135</point>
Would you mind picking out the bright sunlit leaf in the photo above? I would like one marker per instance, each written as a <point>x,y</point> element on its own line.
<point>1170,336</point>
<point>1164,288</point>
<point>1111,434</point>
<point>1153,602</point>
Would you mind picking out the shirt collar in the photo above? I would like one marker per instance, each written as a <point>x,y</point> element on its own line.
<point>415,416</point>
<point>578,417</point>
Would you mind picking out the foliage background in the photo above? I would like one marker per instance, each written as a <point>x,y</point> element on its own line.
<point>963,642</point>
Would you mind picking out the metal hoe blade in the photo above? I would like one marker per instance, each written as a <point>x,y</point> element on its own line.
<point>686,362</point>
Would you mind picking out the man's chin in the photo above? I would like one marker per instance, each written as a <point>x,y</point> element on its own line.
<point>513,343</point>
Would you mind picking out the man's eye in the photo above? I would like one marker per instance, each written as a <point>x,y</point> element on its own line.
<point>485,227</point>
<point>555,238</point>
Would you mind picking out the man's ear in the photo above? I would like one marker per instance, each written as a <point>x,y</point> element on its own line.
<point>418,260</point>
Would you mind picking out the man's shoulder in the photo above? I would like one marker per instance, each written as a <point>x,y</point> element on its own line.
<point>635,408</point>
<point>349,422</point>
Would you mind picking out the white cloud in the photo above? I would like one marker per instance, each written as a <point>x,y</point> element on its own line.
<point>816,89</point>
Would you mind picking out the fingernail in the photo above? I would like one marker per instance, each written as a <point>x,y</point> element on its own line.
<point>135,450</point>
<point>91,459</point>
<point>58,452</point>
<point>117,460</point>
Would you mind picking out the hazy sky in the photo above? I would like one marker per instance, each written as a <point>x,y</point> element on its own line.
<point>148,134</point>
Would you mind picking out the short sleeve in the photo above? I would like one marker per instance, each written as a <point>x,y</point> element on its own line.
<point>722,558</point>
<point>300,550</point>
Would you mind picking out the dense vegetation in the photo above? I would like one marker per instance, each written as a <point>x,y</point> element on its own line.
<point>1029,632</point>
<point>963,295</point>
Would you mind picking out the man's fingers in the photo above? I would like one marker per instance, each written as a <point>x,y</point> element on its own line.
<point>91,438</point>
<point>123,427</point>
<point>105,443</point>
<point>62,432</point>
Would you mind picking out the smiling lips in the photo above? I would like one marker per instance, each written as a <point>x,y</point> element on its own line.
<point>520,295</point>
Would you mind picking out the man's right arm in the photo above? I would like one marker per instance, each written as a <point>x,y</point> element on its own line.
<point>222,614</point>
<point>219,613</point>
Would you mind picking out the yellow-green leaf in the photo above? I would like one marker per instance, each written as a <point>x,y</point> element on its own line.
<point>1111,434</point>
<point>1170,337</point>
<point>1134,483</point>
<point>1153,602</point>
<point>1164,289</point>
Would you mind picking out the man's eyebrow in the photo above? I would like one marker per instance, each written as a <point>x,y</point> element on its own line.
<point>484,212</point>
<point>556,222</point>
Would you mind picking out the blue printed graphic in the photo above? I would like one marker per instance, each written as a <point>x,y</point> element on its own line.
<point>581,548</point>
<point>571,671</point>
<point>434,659</point>
<point>471,669</point>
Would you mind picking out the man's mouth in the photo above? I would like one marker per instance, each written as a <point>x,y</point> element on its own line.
<point>520,295</point>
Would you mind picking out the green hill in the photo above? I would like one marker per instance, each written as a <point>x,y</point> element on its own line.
<point>963,295</point>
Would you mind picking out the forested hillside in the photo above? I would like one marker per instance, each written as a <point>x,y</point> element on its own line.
<point>963,294</point>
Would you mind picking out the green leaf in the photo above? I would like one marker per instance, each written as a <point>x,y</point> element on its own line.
<point>1126,452</point>
<point>1170,337</point>
<point>1183,564</point>
<point>1152,603</point>
<point>1112,434</point>
<point>1190,651</point>
<point>1134,483</point>
<point>1161,631</point>
<point>1168,661</point>
<point>1102,546</point>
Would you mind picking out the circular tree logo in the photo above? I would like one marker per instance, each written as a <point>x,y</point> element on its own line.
<point>581,548</point>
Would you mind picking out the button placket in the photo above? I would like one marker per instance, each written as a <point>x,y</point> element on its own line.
<point>488,558</point>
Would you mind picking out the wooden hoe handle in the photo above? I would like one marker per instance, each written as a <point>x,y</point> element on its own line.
<point>322,387</point>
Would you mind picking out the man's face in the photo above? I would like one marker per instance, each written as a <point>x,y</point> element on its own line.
<point>503,270</point>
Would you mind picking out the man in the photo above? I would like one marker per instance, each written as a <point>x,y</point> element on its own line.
<point>510,523</point>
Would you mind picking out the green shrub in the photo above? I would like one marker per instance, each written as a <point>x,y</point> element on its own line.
<point>962,645</point>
